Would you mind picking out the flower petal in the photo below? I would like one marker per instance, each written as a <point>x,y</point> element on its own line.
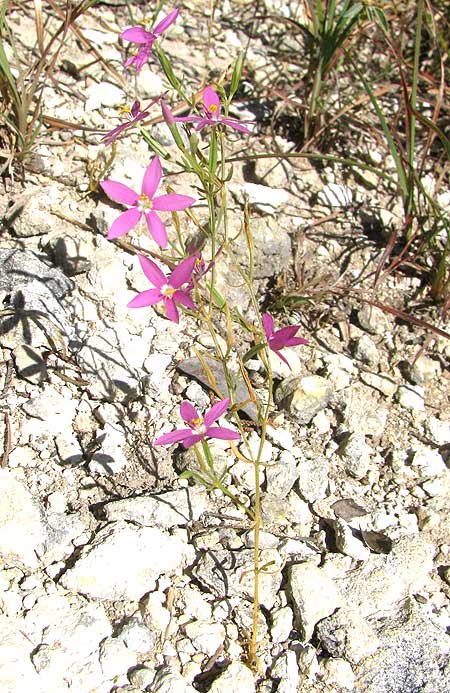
<point>119,192</point>
<point>211,98</point>
<point>166,22</point>
<point>296,341</point>
<point>188,412</point>
<point>152,177</point>
<point>145,298</point>
<point>278,353</point>
<point>189,442</point>
<point>267,321</point>
<point>232,123</point>
<point>171,309</point>
<point>172,202</point>
<point>152,272</point>
<point>137,34</point>
<point>157,228</point>
<point>124,223</point>
<point>216,411</point>
<point>184,299</point>
<point>222,433</point>
<point>182,272</point>
<point>173,437</point>
<point>188,119</point>
<point>111,135</point>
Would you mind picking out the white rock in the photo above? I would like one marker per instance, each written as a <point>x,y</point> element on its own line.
<point>411,397</point>
<point>314,595</point>
<point>102,94</point>
<point>23,531</point>
<point>169,680</point>
<point>264,198</point>
<point>205,636</point>
<point>335,195</point>
<point>237,678</point>
<point>163,510</point>
<point>110,458</point>
<point>17,673</point>
<point>282,624</point>
<point>439,431</point>
<point>115,657</point>
<point>124,561</point>
<point>137,636</point>
<point>348,543</point>
<point>338,672</point>
<point>286,670</point>
<point>429,463</point>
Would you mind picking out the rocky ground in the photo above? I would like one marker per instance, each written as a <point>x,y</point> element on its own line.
<point>114,573</point>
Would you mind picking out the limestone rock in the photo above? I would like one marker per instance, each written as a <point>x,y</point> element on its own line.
<point>123,562</point>
<point>314,595</point>
<point>304,397</point>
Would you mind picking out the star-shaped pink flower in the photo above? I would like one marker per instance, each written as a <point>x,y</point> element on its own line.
<point>145,204</point>
<point>200,427</point>
<point>281,338</point>
<point>134,116</point>
<point>167,289</point>
<point>211,114</point>
<point>145,39</point>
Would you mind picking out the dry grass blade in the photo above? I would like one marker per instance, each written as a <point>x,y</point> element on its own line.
<point>39,25</point>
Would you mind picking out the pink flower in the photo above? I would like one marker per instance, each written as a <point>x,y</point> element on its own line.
<point>211,110</point>
<point>134,116</point>
<point>145,39</point>
<point>144,205</point>
<point>200,427</point>
<point>167,289</point>
<point>281,338</point>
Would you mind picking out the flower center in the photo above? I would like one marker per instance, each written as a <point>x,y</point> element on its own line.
<point>212,110</point>
<point>167,290</point>
<point>198,425</point>
<point>144,203</point>
<point>124,109</point>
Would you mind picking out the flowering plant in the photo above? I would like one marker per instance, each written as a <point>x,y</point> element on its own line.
<point>145,39</point>
<point>144,205</point>
<point>200,427</point>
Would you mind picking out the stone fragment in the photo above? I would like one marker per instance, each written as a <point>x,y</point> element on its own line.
<point>304,397</point>
<point>372,319</point>
<point>313,477</point>
<point>137,636</point>
<point>314,596</point>
<point>285,671</point>
<point>237,678</point>
<point>282,475</point>
<point>384,580</point>
<point>422,370</point>
<point>438,431</point>
<point>205,636</point>
<point>115,658</point>
<point>230,573</point>
<point>265,199</point>
<point>169,680</point>
<point>102,94</point>
<point>361,410</point>
<point>356,454</point>
<point>124,561</point>
<point>23,530</point>
<point>17,673</point>
<point>66,634</point>
<point>109,457</point>
<point>348,634</point>
<point>380,382</point>
<point>282,623</point>
<point>163,510</point>
<point>69,449</point>
<point>366,351</point>
<point>72,253</point>
<point>411,397</point>
<point>348,543</point>
<point>413,656</point>
<point>30,364</point>
<point>429,463</point>
<point>338,672</point>
<point>335,195</point>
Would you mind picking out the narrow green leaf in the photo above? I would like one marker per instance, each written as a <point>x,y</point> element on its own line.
<point>236,77</point>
